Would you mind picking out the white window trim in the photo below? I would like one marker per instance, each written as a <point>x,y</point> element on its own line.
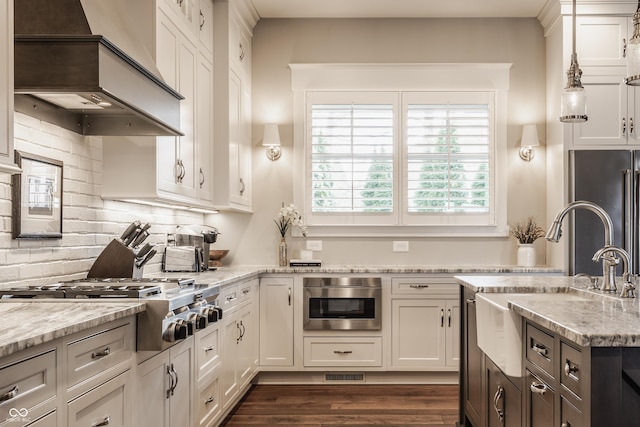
<point>403,77</point>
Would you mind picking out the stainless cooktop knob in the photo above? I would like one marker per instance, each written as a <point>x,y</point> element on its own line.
<point>174,332</point>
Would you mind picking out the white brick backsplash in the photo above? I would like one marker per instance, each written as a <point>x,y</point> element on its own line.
<point>89,223</point>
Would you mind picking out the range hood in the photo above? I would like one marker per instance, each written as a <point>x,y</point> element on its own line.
<point>75,67</point>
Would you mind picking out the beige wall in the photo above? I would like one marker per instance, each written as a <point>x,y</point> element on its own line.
<point>279,42</point>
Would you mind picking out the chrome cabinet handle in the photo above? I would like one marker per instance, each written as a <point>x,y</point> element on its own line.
<point>168,391</point>
<point>242,187</point>
<point>449,317</point>
<point>208,349</point>
<point>231,298</point>
<point>101,354</point>
<point>570,368</point>
<point>201,20</point>
<point>630,125</point>
<point>104,422</point>
<point>540,349</point>
<point>624,125</point>
<point>342,351</point>
<point>538,388</point>
<point>175,383</point>
<point>10,394</point>
<point>442,318</point>
<point>565,424</point>
<point>496,399</point>
<point>289,296</point>
<point>241,56</point>
<point>209,400</point>
<point>418,286</point>
<point>624,48</point>
<point>201,178</point>
<point>471,300</point>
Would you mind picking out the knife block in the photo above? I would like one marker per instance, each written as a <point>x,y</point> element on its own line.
<point>116,261</point>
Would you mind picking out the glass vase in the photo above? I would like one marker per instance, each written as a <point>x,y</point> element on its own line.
<point>282,253</point>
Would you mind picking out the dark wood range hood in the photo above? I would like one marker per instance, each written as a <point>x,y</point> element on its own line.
<point>70,72</point>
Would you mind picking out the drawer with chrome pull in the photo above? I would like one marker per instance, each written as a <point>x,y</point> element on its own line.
<point>540,349</point>
<point>27,384</point>
<point>432,286</point>
<point>342,351</point>
<point>207,350</point>
<point>104,354</point>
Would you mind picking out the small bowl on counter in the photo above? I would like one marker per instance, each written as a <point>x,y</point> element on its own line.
<point>215,257</point>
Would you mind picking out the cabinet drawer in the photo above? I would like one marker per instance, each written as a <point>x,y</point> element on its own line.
<point>569,414</point>
<point>49,420</point>
<point>207,350</point>
<point>27,384</point>
<point>571,363</point>
<point>325,351</point>
<point>228,299</point>
<point>245,292</point>
<point>430,286</point>
<point>109,402</point>
<point>103,354</point>
<point>208,402</point>
<point>540,402</point>
<point>540,349</point>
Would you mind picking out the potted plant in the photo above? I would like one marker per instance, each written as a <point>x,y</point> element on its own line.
<point>526,232</point>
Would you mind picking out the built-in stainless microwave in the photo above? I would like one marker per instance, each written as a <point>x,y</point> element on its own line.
<point>343,303</point>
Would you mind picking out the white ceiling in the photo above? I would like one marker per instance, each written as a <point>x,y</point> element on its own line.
<point>398,8</point>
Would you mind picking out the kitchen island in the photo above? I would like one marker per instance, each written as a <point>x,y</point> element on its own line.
<point>580,355</point>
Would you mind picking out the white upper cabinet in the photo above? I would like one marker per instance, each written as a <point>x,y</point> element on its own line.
<point>7,163</point>
<point>611,104</point>
<point>233,23</point>
<point>167,169</point>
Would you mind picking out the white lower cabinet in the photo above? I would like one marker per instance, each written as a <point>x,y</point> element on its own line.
<point>106,405</point>
<point>208,365</point>
<point>276,321</point>
<point>164,384</point>
<point>425,324</point>
<point>239,342</point>
<point>49,420</point>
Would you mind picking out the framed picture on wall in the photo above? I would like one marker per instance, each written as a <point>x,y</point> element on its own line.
<point>37,198</point>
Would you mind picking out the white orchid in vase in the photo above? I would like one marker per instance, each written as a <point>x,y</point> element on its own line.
<point>287,217</point>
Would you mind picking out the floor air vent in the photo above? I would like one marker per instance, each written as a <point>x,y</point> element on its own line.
<point>344,376</point>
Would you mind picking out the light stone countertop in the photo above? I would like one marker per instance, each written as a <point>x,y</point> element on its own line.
<point>595,320</point>
<point>31,322</point>
<point>27,324</point>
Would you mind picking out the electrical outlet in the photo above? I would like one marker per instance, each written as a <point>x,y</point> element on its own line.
<point>314,245</point>
<point>400,246</point>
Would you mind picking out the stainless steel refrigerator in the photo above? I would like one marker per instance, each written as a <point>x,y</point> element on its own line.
<point>608,178</point>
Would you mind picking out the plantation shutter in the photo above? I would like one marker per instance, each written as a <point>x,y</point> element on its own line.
<point>352,157</point>
<point>449,154</point>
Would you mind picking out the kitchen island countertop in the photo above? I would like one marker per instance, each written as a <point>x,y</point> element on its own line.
<point>596,320</point>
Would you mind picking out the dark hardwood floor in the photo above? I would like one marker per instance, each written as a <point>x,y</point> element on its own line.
<point>353,405</point>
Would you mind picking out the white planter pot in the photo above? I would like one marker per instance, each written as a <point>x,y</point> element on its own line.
<point>526,255</point>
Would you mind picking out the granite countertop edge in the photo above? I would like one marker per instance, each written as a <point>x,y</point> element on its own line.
<point>34,323</point>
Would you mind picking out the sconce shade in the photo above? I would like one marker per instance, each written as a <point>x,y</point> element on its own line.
<point>529,136</point>
<point>271,135</point>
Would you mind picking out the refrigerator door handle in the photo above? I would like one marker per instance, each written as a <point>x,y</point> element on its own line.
<point>629,181</point>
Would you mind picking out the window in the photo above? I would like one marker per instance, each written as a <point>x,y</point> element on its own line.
<point>401,162</point>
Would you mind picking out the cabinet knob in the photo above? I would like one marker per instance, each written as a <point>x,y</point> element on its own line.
<point>209,400</point>
<point>105,422</point>
<point>570,368</point>
<point>10,394</point>
<point>540,349</point>
<point>538,388</point>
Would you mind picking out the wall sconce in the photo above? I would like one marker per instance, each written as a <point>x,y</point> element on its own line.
<point>529,140</point>
<point>271,140</point>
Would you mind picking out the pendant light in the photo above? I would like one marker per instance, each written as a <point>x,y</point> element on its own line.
<point>573,107</point>
<point>633,52</point>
